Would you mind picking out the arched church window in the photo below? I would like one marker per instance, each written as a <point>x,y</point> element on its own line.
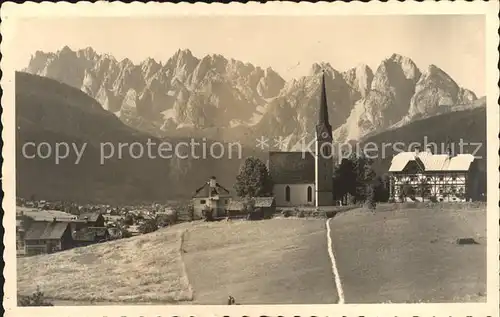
<point>287,193</point>
<point>309,193</point>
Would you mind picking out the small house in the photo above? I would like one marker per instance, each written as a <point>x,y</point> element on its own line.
<point>93,219</point>
<point>90,235</point>
<point>211,197</point>
<point>263,207</point>
<point>46,237</point>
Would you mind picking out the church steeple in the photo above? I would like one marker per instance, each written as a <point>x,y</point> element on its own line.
<point>324,153</point>
<point>323,105</point>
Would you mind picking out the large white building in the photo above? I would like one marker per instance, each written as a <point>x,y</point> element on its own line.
<point>422,175</point>
<point>306,178</point>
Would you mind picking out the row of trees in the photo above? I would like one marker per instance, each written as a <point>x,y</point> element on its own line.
<point>355,182</point>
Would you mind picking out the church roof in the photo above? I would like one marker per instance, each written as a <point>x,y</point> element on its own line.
<point>291,167</point>
<point>323,106</point>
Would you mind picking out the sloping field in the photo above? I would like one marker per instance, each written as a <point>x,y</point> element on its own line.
<point>277,261</point>
<point>271,261</point>
<point>411,255</point>
<point>143,268</point>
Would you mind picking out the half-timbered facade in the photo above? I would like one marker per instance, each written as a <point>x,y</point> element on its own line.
<point>420,176</point>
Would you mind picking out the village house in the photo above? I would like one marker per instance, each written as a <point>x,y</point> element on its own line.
<point>263,207</point>
<point>20,234</point>
<point>44,215</point>
<point>89,235</point>
<point>47,231</point>
<point>47,237</point>
<point>440,177</point>
<point>93,219</point>
<point>211,197</point>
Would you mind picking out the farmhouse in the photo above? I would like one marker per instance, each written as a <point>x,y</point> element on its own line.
<point>89,235</point>
<point>44,215</point>
<point>306,178</point>
<point>263,207</point>
<point>94,219</point>
<point>47,237</point>
<point>211,196</point>
<point>441,177</point>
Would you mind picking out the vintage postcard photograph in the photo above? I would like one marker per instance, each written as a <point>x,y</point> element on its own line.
<point>243,159</point>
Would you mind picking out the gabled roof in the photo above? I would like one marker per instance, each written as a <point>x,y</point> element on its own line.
<point>432,162</point>
<point>47,215</point>
<point>263,202</point>
<point>235,205</point>
<point>46,230</point>
<point>91,216</point>
<point>260,202</point>
<point>204,190</point>
<point>292,167</point>
<point>323,106</point>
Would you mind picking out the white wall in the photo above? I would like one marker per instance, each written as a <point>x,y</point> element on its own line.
<point>298,195</point>
<point>200,203</point>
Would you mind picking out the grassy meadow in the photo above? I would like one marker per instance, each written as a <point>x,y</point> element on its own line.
<point>400,253</point>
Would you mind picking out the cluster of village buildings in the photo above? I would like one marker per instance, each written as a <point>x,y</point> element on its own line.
<point>41,228</point>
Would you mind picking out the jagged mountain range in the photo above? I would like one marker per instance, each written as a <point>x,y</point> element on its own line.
<point>53,112</point>
<point>229,100</point>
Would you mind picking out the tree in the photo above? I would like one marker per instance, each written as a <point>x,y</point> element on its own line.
<point>353,178</point>
<point>207,213</point>
<point>148,226</point>
<point>253,179</point>
<point>370,196</point>
<point>129,220</point>
<point>344,180</point>
<point>381,188</point>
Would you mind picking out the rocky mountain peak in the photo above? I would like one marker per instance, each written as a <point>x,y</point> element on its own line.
<point>87,53</point>
<point>213,91</point>
<point>317,68</point>
<point>359,79</point>
<point>66,50</point>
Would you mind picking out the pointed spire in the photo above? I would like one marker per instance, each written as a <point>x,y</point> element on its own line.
<point>323,106</point>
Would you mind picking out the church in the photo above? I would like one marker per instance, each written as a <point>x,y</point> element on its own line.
<point>306,178</point>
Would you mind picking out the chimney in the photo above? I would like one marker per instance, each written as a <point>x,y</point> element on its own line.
<point>429,149</point>
<point>213,182</point>
<point>417,150</point>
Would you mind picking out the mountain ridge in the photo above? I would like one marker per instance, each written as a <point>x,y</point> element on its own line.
<point>239,101</point>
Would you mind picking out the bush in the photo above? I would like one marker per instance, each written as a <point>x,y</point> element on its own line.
<point>286,213</point>
<point>207,214</point>
<point>125,233</point>
<point>36,299</point>
<point>129,220</point>
<point>300,214</point>
<point>148,226</point>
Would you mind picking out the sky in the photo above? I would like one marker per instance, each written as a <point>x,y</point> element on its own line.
<point>290,45</point>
